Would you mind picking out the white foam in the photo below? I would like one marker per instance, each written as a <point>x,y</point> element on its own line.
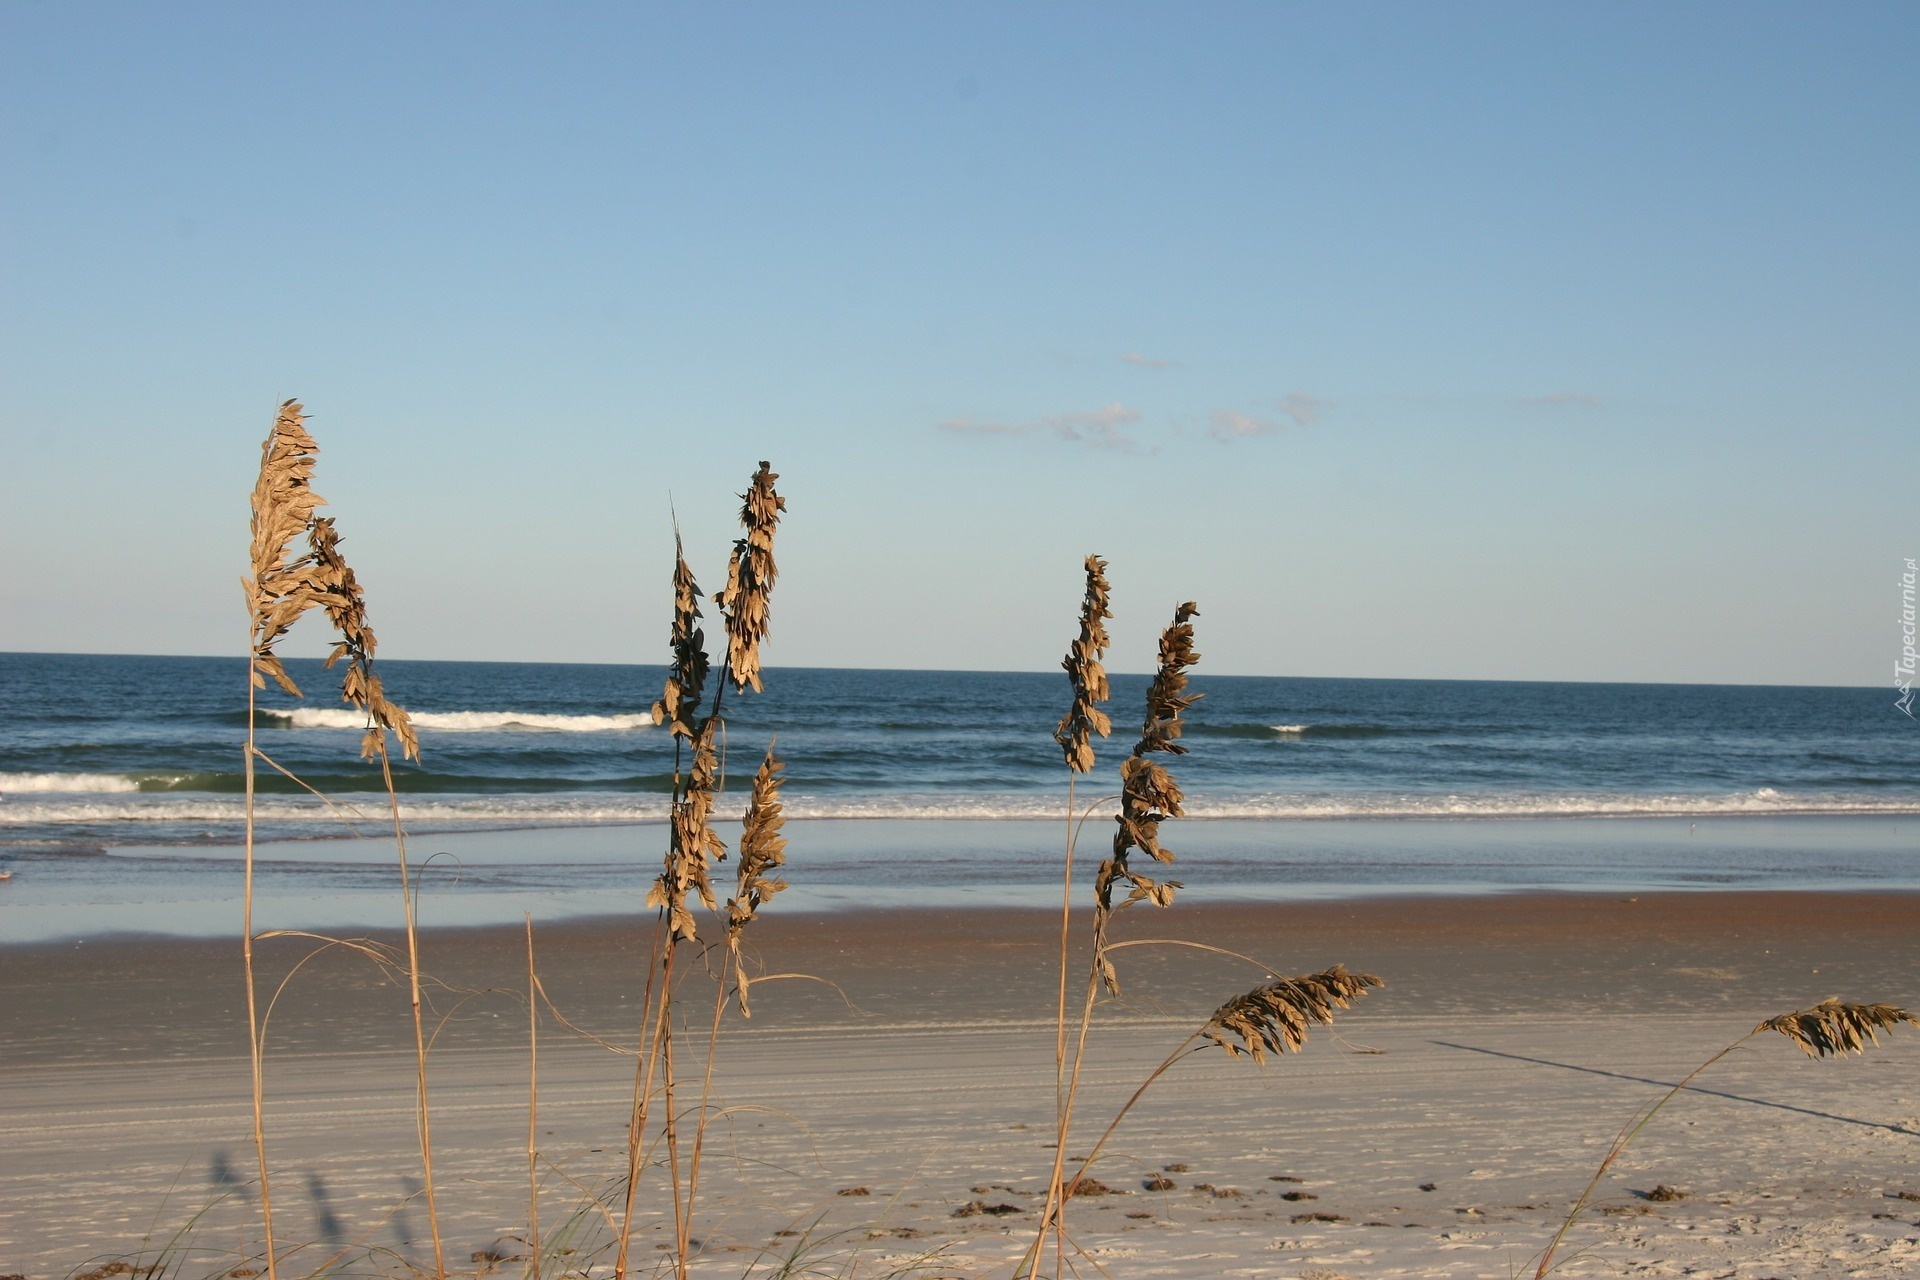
<point>1765,800</point>
<point>1290,728</point>
<point>122,803</point>
<point>466,721</point>
<point>213,812</point>
<point>17,783</point>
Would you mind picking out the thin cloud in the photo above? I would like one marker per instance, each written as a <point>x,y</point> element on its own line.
<point>1305,410</point>
<point>1296,409</point>
<point>1564,400</point>
<point>1099,427</point>
<point>1230,424</point>
<point>1102,428</point>
<point>1139,361</point>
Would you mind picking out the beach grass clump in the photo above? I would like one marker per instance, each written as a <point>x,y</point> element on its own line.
<point>693,846</point>
<point>1147,797</point>
<point>1272,1018</point>
<point>743,603</point>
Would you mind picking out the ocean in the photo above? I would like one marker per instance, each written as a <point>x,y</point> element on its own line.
<point>541,787</point>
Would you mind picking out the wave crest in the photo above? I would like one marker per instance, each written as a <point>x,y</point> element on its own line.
<point>1292,732</point>
<point>463,721</point>
<point>110,802</point>
<point>12,783</point>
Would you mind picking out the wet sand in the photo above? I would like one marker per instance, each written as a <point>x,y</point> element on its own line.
<point>1514,1036</point>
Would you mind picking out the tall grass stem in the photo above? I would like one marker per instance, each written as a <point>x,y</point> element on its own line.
<point>533,1108</point>
<point>253,1014</point>
<point>409,898</point>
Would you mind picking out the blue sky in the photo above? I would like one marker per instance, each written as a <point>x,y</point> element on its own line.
<point>1538,341</point>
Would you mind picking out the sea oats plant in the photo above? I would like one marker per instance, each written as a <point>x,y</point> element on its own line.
<point>693,845</point>
<point>1084,665</point>
<point>278,592</point>
<point>281,588</point>
<point>1148,796</point>
<point>1832,1028</point>
<point>1272,1018</point>
<point>1148,793</point>
<point>762,850</point>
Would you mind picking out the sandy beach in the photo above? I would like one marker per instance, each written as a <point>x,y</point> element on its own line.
<point>1442,1128</point>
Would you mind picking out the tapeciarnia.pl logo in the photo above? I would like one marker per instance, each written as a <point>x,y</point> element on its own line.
<point>1903,667</point>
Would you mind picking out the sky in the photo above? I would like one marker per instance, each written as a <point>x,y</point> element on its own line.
<point>1544,342</point>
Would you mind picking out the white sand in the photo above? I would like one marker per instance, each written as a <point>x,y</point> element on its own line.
<point>1791,1168</point>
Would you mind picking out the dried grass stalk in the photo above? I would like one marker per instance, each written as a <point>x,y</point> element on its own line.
<point>762,850</point>
<point>278,592</point>
<point>750,578</point>
<point>693,844</point>
<point>1833,1027</point>
<point>1275,1017</point>
<point>679,704</point>
<point>1083,667</point>
<point>337,590</point>
<point>280,589</point>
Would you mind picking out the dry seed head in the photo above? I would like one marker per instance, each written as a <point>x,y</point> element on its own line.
<point>338,592</point>
<point>693,844</point>
<point>1089,677</point>
<point>750,578</point>
<point>1167,698</point>
<point>762,847</point>
<point>1275,1017</point>
<point>762,850</point>
<point>1832,1027</point>
<point>1148,792</point>
<point>280,590</point>
<point>687,676</point>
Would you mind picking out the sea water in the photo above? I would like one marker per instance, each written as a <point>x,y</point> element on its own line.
<point>541,787</point>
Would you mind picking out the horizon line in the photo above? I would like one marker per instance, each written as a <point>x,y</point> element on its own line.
<point>999,671</point>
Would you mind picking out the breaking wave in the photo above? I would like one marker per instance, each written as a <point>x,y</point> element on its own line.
<point>461,721</point>
<point>1294,732</point>
<point>65,804</point>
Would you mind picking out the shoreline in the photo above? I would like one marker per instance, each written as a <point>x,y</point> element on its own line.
<point>571,873</point>
<point>41,836</point>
